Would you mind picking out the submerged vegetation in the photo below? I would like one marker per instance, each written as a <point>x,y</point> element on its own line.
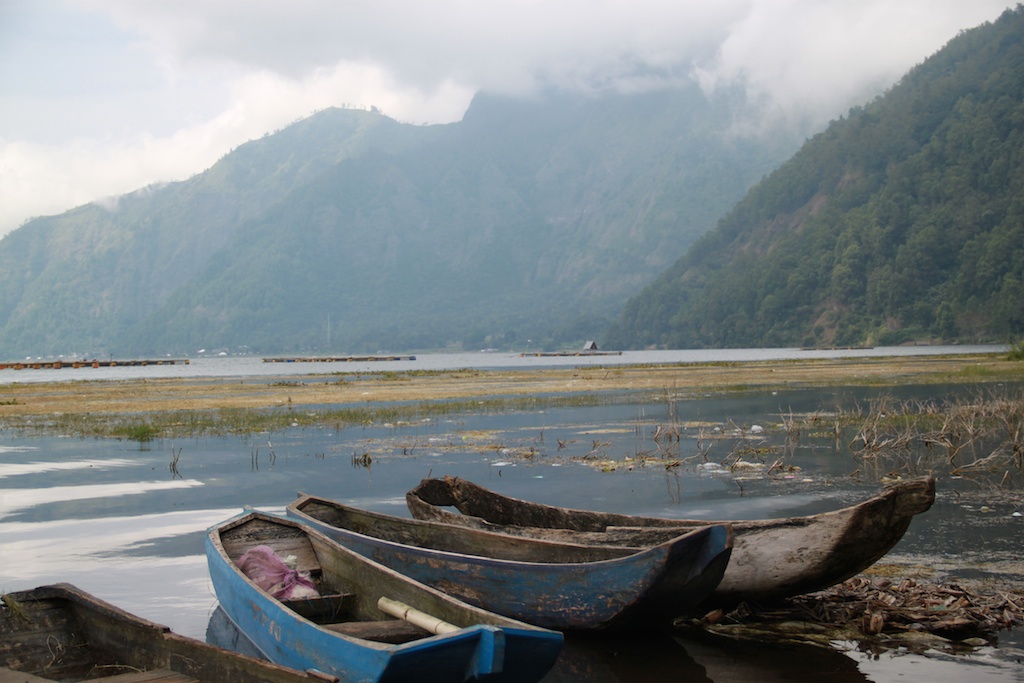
<point>978,437</point>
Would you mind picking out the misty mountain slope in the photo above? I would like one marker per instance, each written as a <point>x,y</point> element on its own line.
<point>530,219</point>
<point>902,221</point>
<point>386,255</point>
<point>86,276</point>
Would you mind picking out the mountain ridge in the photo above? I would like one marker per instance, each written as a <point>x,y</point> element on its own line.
<point>531,219</point>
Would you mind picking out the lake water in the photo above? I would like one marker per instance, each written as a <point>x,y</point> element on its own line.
<point>116,518</point>
<point>253,366</point>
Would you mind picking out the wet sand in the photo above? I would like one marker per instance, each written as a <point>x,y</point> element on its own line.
<point>20,400</point>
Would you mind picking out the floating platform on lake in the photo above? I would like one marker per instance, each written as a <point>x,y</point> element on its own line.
<point>571,353</point>
<point>337,359</point>
<point>60,364</point>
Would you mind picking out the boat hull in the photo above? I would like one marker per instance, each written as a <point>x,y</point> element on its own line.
<point>60,632</point>
<point>539,583</point>
<point>771,559</point>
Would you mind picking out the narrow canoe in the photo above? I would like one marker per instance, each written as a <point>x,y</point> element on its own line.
<point>344,629</point>
<point>556,585</point>
<point>61,633</point>
<point>771,559</point>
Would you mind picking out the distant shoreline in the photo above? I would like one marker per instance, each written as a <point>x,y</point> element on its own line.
<point>19,401</point>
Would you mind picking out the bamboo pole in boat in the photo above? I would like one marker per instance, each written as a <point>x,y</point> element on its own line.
<point>415,616</point>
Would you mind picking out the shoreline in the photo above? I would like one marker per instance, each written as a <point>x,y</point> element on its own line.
<point>148,396</point>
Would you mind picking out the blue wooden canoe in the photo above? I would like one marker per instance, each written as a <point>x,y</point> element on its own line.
<point>556,585</point>
<point>344,632</point>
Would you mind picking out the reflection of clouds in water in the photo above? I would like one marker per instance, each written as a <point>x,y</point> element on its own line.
<point>381,503</point>
<point>94,555</point>
<point>12,500</point>
<point>15,469</point>
<point>762,507</point>
<point>68,547</point>
<point>987,664</point>
<point>173,591</point>
<point>80,539</point>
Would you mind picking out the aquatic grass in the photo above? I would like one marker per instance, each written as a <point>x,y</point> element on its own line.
<point>241,421</point>
<point>139,431</point>
<point>1016,350</point>
<point>16,608</point>
<point>979,437</point>
<point>980,372</point>
<point>175,457</point>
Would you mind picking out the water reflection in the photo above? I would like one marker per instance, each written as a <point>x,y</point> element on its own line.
<point>252,366</point>
<point>26,468</point>
<point>17,500</point>
<point>986,666</point>
<point>68,547</point>
<point>222,632</point>
<point>647,657</point>
<point>651,657</point>
<point>742,662</point>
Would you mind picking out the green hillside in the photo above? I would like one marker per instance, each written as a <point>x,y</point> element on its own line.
<point>903,221</point>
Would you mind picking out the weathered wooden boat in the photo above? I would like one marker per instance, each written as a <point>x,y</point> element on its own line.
<point>771,559</point>
<point>337,612</point>
<point>61,633</point>
<point>563,586</point>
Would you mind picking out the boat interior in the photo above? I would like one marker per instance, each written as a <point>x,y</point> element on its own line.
<point>337,608</point>
<point>46,639</point>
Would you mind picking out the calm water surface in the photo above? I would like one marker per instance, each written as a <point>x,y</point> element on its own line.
<point>115,519</point>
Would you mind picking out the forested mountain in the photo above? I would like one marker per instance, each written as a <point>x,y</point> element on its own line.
<point>903,221</point>
<point>350,232</point>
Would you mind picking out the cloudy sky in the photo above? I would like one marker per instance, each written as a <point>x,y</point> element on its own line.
<point>101,97</point>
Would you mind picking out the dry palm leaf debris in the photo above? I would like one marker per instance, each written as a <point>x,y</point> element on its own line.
<point>875,614</point>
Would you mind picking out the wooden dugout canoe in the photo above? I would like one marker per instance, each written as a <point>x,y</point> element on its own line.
<point>345,632</point>
<point>557,585</point>
<point>62,633</point>
<point>771,559</point>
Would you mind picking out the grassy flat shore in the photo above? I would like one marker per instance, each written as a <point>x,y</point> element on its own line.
<point>19,401</point>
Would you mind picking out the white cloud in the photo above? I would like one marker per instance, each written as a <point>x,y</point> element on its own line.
<point>101,97</point>
<point>813,59</point>
<point>39,178</point>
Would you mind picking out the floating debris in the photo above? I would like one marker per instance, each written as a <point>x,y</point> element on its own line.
<point>875,615</point>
